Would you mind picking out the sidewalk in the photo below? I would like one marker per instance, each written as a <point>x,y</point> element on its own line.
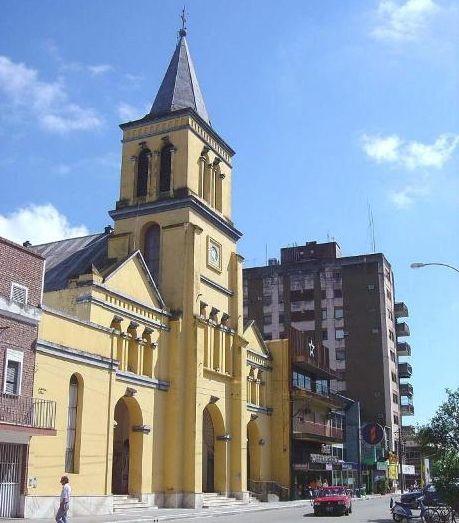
<point>171,514</point>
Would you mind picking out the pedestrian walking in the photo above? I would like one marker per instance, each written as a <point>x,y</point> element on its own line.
<point>61,516</point>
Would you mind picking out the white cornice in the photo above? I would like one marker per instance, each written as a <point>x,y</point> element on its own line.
<point>18,312</point>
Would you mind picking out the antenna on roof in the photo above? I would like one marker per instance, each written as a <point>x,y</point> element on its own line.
<point>371,226</point>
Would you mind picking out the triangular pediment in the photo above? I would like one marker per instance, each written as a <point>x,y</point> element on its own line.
<point>132,279</point>
<point>255,341</point>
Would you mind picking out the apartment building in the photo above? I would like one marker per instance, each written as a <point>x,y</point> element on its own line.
<point>317,414</point>
<point>346,304</point>
<point>21,415</point>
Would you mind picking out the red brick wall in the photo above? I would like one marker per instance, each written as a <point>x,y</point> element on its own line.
<point>20,266</point>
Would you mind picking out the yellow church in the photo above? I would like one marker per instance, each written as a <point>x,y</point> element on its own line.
<point>164,396</point>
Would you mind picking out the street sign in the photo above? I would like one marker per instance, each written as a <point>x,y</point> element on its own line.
<point>372,433</point>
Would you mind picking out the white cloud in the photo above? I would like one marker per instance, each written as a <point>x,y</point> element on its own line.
<point>403,20</point>
<point>405,198</point>
<point>48,102</point>
<point>38,224</point>
<point>128,112</point>
<point>410,154</point>
<point>97,70</point>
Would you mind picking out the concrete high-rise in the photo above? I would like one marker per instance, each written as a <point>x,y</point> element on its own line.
<point>345,303</point>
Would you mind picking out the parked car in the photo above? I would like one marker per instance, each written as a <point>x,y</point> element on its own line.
<point>429,492</point>
<point>332,500</point>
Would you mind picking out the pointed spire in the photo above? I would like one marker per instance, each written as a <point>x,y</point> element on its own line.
<point>180,88</point>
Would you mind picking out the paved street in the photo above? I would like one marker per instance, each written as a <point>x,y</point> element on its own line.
<point>375,510</point>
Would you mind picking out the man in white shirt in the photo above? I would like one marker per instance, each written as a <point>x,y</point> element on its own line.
<point>61,516</point>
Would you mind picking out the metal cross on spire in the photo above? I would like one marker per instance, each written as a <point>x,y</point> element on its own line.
<point>182,31</point>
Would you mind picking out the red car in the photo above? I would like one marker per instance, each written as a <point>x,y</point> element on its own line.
<point>332,500</point>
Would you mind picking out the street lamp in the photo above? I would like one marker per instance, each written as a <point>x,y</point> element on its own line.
<point>419,265</point>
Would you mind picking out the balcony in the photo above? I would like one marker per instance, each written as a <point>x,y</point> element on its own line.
<point>407,409</point>
<point>402,329</point>
<point>400,310</point>
<point>404,370</point>
<point>29,414</point>
<point>310,356</point>
<point>322,394</point>
<point>303,428</point>
<point>403,348</point>
<point>406,389</point>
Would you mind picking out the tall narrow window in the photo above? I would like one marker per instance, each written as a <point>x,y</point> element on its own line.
<point>13,372</point>
<point>72,425</point>
<point>142,172</point>
<point>166,168</point>
<point>218,189</point>
<point>151,250</point>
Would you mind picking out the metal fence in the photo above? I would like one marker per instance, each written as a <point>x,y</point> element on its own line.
<point>27,412</point>
<point>10,479</point>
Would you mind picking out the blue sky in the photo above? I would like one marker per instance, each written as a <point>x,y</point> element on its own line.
<point>330,105</point>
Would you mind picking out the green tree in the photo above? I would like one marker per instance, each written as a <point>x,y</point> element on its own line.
<point>440,441</point>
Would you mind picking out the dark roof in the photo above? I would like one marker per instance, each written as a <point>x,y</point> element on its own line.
<point>180,88</point>
<point>68,259</point>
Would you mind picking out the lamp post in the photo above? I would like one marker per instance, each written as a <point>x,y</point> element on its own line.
<point>418,265</point>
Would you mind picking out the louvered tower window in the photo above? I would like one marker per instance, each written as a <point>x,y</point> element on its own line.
<point>19,293</point>
<point>142,172</point>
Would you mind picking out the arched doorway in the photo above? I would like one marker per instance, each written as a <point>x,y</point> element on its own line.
<point>127,448</point>
<point>253,455</point>
<point>213,451</point>
<point>208,452</point>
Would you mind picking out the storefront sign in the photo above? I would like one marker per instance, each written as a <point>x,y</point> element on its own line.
<point>321,458</point>
<point>408,470</point>
<point>301,466</point>
<point>328,466</point>
<point>348,466</point>
<point>381,465</point>
<point>372,433</point>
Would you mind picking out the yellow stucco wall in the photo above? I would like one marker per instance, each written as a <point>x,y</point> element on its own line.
<point>167,365</point>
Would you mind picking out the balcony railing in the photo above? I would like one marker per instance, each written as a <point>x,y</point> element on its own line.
<point>403,348</point>
<point>402,329</point>
<point>404,370</point>
<point>406,389</point>
<point>401,310</point>
<point>408,409</point>
<point>309,355</point>
<point>27,412</point>
<point>317,429</point>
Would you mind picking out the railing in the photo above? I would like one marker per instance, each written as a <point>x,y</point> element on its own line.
<point>317,392</point>
<point>402,329</point>
<point>406,389</point>
<point>404,370</point>
<point>318,429</point>
<point>261,489</point>
<point>400,309</point>
<point>27,412</point>
<point>403,348</point>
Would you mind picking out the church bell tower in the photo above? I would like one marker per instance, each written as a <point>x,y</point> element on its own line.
<point>176,183</point>
<point>175,207</point>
